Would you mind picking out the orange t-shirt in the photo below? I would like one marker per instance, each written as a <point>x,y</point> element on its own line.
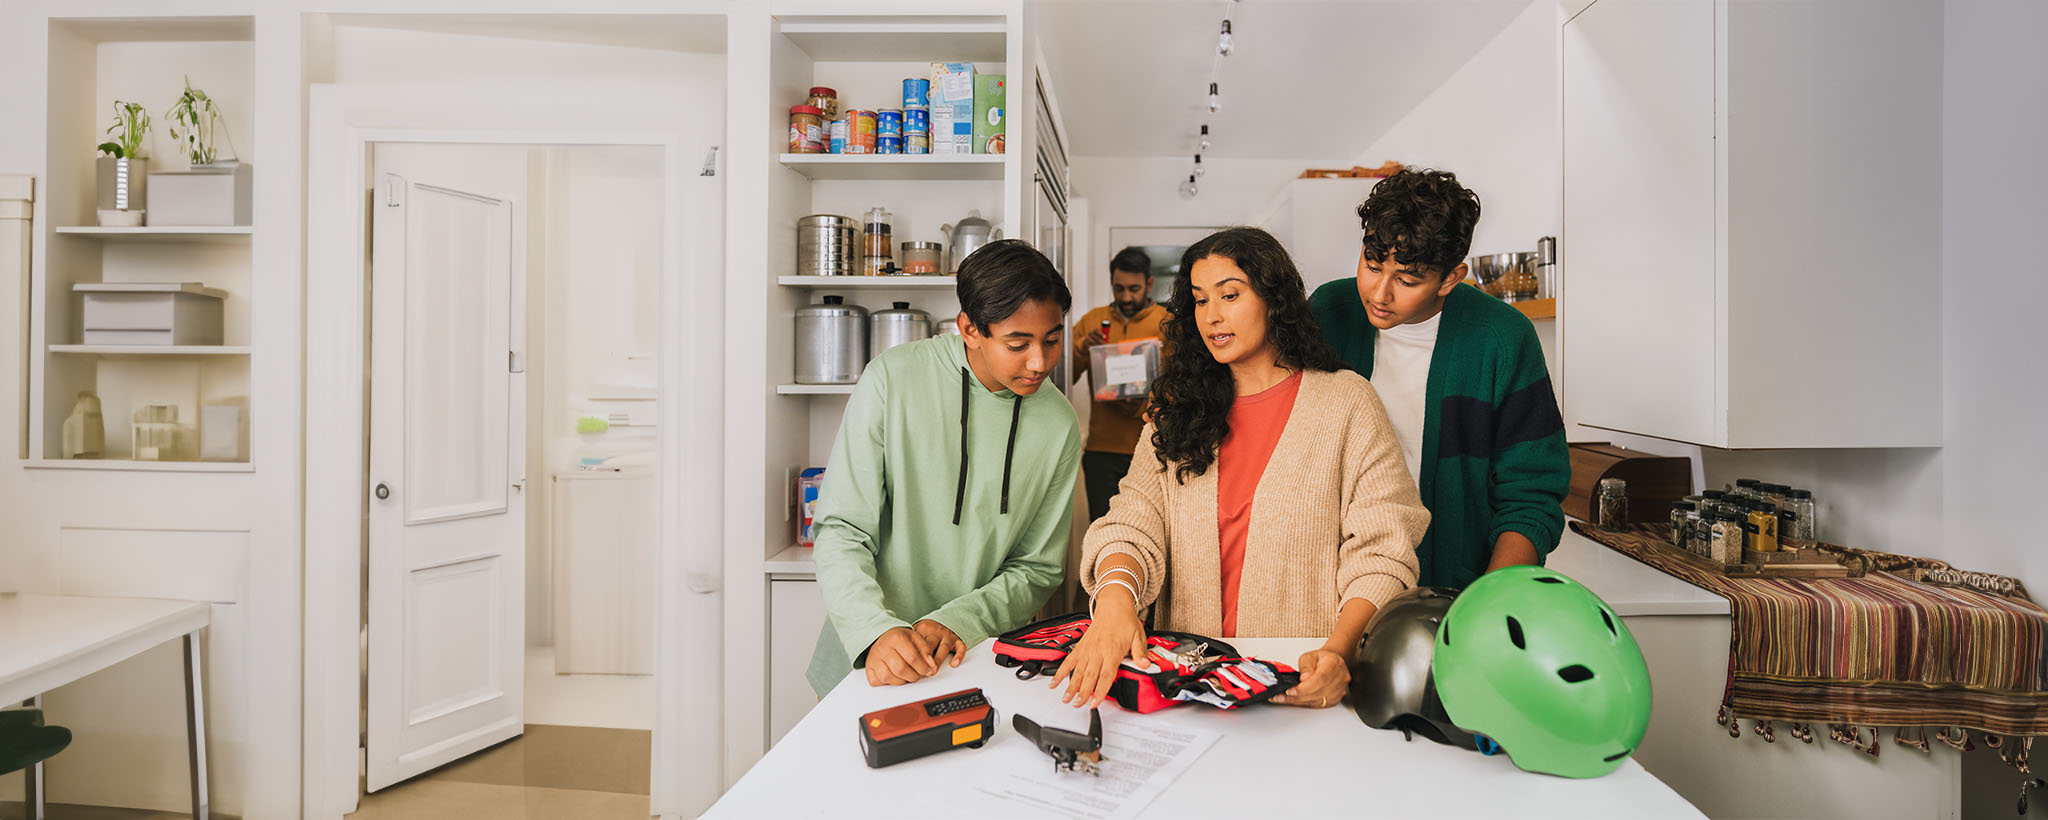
<point>1255,425</point>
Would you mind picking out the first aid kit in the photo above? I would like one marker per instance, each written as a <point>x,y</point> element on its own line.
<point>1185,667</point>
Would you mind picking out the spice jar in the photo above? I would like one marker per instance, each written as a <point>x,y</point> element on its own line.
<point>1773,493</point>
<point>922,257</point>
<point>825,100</point>
<point>878,248</point>
<point>1763,529</point>
<point>1725,542</point>
<point>1681,526</point>
<point>1613,504</point>
<point>1746,488</point>
<point>806,130</point>
<point>1804,527</point>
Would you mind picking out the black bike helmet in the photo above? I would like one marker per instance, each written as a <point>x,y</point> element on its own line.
<point>1392,686</point>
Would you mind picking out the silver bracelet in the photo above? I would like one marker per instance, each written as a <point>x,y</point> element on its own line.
<point>1100,583</point>
<point>1125,570</point>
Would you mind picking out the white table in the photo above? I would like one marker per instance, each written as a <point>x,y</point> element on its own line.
<point>1271,761</point>
<point>47,641</point>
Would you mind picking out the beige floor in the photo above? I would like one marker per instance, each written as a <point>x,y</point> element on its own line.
<point>550,773</point>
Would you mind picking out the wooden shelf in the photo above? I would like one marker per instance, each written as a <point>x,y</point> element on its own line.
<point>1537,308</point>
<point>202,234</point>
<point>814,389</point>
<point>947,282</point>
<point>122,464</point>
<point>152,350</point>
<point>897,166</point>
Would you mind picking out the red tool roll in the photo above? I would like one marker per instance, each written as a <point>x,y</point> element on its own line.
<point>1186,666</point>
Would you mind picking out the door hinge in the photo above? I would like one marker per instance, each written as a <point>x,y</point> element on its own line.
<point>395,195</point>
<point>514,363</point>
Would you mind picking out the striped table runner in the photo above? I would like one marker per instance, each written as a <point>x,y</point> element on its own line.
<point>1880,650</point>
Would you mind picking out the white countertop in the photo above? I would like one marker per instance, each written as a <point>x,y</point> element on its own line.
<point>1628,585</point>
<point>1271,761</point>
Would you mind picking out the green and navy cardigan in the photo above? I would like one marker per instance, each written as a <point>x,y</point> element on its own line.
<point>1493,449</point>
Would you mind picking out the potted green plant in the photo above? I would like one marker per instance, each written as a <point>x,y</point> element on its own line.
<point>216,190</point>
<point>194,121</point>
<point>123,171</point>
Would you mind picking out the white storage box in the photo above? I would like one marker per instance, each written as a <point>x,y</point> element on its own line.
<point>150,313</point>
<point>206,197</point>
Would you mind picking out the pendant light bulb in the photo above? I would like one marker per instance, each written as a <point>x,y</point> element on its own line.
<point>1205,139</point>
<point>1188,189</point>
<point>1215,99</point>
<point>1198,166</point>
<point>1223,43</point>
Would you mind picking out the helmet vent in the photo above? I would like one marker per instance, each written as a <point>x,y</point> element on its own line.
<point>1544,579</point>
<point>1609,620</point>
<point>1515,633</point>
<point>1576,673</point>
<point>1445,631</point>
<point>1616,756</point>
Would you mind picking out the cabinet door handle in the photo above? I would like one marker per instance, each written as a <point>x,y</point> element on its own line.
<point>383,491</point>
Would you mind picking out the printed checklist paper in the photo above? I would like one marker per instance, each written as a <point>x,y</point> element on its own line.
<point>1140,759</point>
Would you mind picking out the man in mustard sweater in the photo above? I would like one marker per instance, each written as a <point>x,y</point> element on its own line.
<point>947,504</point>
<point>1113,425</point>
<point>1462,376</point>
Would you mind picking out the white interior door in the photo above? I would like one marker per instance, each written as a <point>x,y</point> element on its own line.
<point>447,508</point>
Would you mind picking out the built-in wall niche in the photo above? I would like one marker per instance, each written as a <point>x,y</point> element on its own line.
<point>93,63</point>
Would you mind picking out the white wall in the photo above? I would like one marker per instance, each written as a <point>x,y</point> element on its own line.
<point>1126,192</point>
<point>1994,320</point>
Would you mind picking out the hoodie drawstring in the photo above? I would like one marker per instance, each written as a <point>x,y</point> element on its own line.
<point>1009,450</point>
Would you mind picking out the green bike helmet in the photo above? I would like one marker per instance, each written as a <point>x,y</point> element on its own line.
<point>1540,665</point>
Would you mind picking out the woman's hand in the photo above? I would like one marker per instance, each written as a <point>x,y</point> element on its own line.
<point>1325,678</point>
<point>1115,633</point>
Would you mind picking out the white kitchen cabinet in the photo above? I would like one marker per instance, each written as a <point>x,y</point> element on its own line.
<point>796,611</point>
<point>603,551</point>
<point>1752,202</point>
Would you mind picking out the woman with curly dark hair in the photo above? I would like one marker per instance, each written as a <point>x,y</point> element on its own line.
<point>1267,497</point>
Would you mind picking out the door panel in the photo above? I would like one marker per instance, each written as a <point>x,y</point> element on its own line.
<point>447,536</point>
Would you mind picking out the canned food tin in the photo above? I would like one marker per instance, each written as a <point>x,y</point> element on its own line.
<point>917,121</point>
<point>888,145</point>
<point>917,93</point>
<point>860,132</point>
<point>889,123</point>
<point>837,130</point>
<point>917,144</point>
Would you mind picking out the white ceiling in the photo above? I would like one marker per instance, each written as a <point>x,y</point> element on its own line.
<point>1309,79</point>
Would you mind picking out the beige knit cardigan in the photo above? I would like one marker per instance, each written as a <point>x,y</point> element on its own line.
<point>1335,517</point>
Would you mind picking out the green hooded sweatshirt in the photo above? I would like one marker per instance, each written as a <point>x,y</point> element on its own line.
<point>913,522</point>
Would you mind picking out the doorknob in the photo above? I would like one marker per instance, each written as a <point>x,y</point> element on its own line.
<point>383,491</point>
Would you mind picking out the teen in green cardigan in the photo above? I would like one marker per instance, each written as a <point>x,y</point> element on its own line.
<point>1462,376</point>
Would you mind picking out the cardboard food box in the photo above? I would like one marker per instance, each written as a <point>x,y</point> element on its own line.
<point>1123,370</point>
<point>807,483</point>
<point>952,108</point>
<point>989,123</point>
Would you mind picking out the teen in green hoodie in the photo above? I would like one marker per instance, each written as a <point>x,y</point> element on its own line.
<point>1462,377</point>
<point>948,502</point>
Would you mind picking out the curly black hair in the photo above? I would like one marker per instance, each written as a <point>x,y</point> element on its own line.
<point>1191,399</point>
<point>1423,218</point>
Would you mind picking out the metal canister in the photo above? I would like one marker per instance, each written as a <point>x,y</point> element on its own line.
<point>826,245</point>
<point>837,132</point>
<point>860,132</point>
<point>831,342</point>
<point>900,324</point>
<point>917,92</point>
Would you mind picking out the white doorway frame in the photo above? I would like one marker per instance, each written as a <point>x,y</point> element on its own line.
<point>343,122</point>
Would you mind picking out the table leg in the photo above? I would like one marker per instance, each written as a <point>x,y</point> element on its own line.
<point>32,794</point>
<point>195,724</point>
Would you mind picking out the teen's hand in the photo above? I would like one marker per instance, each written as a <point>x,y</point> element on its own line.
<point>1325,678</point>
<point>900,656</point>
<point>942,641</point>
<point>1116,633</point>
